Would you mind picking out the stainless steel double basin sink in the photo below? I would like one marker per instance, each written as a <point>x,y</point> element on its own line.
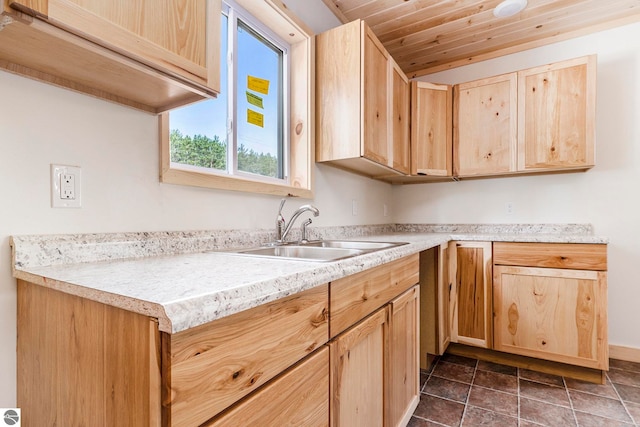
<point>319,250</point>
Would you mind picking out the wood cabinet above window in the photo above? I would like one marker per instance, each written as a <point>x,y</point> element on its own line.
<point>148,55</point>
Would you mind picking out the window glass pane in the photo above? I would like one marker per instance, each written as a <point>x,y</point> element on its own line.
<point>198,132</point>
<point>259,104</point>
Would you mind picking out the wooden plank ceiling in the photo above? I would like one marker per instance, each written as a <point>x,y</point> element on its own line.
<point>426,36</point>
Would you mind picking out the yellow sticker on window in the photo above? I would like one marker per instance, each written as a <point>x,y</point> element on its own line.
<point>255,118</point>
<point>254,99</point>
<point>257,84</point>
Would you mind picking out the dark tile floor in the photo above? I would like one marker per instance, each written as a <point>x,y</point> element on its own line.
<point>459,391</point>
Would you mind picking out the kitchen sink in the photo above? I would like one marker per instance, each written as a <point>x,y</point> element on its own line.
<point>319,250</point>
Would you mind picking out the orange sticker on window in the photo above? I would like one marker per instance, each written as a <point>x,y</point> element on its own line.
<point>255,118</point>
<point>258,85</point>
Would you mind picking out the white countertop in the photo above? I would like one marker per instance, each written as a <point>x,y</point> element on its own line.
<point>187,290</point>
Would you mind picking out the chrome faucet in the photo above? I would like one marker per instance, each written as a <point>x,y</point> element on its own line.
<point>282,228</point>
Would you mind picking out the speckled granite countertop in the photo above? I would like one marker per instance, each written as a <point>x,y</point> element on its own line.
<point>184,279</point>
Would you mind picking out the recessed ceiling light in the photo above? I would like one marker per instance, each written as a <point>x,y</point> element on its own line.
<point>509,8</point>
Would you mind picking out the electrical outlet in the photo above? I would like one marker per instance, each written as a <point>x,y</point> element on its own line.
<point>385,210</point>
<point>508,207</point>
<point>354,207</point>
<point>66,183</point>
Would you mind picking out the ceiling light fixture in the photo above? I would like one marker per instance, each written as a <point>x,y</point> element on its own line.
<point>509,8</point>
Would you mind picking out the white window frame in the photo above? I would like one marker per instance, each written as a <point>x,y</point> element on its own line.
<point>298,123</point>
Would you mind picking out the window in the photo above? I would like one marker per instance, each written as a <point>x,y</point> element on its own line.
<point>242,136</point>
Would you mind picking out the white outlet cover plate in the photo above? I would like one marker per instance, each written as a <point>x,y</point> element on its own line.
<point>57,201</point>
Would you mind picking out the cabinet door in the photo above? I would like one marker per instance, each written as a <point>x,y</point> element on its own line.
<point>357,363</point>
<point>375,124</point>
<point>431,129</point>
<point>471,313</point>
<point>556,108</point>
<point>400,116</point>
<point>552,314</point>
<point>180,38</point>
<point>444,299</point>
<point>299,397</point>
<point>485,126</point>
<point>403,390</point>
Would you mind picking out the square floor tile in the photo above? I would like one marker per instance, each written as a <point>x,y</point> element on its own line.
<point>448,389</point>
<point>618,376</point>
<point>492,400</point>
<point>545,392</point>
<point>440,410</point>
<point>634,410</point>
<point>628,393</point>
<point>476,417</point>
<point>590,420</point>
<point>546,413</point>
<point>624,365</point>
<point>541,377</point>
<point>605,390</point>
<point>598,405</point>
<point>496,381</point>
<point>454,371</point>
<point>419,422</point>
<point>496,367</point>
<point>459,360</point>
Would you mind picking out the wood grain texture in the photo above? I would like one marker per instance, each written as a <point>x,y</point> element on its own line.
<point>574,256</point>
<point>375,99</point>
<point>400,117</point>
<point>354,297</point>
<point>171,36</point>
<point>357,366</point>
<point>298,397</point>
<point>85,363</point>
<point>556,115</point>
<point>554,314</point>
<point>431,129</point>
<point>472,312</point>
<point>31,7</point>
<point>338,93</point>
<point>207,368</point>
<point>403,383</point>
<point>485,126</point>
<point>88,68</point>
<point>431,35</point>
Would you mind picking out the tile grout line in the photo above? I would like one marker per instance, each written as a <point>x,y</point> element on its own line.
<point>466,403</point>
<point>620,399</point>
<point>573,410</point>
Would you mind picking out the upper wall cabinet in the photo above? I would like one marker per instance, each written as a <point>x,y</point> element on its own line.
<point>431,112</point>
<point>151,55</point>
<point>536,120</point>
<point>362,103</point>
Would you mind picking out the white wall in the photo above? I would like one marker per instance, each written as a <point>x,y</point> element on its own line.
<point>608,196</point>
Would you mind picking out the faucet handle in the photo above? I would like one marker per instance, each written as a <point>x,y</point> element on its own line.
<point>304,231</point>
<point>282,202</point>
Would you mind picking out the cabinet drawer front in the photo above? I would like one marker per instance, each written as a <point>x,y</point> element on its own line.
<point>574,256</point>
<point>354,297</point>
<point>299,397</point>
<point>208,368</point>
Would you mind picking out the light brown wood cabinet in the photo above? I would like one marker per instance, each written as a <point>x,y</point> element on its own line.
<point>471,309</point>
<point>435,301</point>
<point>373,323</point>
<point>550,302</point>
<point>148,55</point>
<point>403,390</point>
<point>431,129</point>
<point>535,120</point>
<point>362,103</point>
<point>299,397</point>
